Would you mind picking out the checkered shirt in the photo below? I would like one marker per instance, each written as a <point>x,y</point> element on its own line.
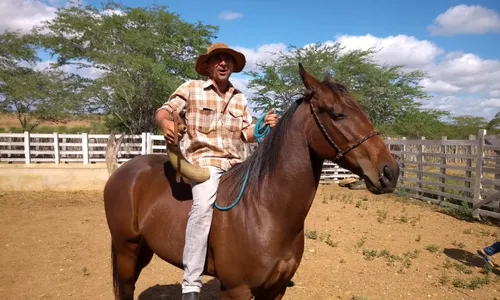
<point>216,127</point>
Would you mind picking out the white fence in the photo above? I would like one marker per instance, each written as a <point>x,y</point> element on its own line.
<point>29,148</point>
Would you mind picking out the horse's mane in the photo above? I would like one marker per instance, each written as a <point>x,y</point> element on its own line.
<point>264,159</point>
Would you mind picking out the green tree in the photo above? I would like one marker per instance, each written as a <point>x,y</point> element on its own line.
<point>494,123</point>
<point>33,95</point>
<point>415,123</point>
<point>144,54</point>
<point>466,125</point>
<point>386,92</point>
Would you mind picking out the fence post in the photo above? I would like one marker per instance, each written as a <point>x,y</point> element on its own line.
<point>27,152</point>
<point>442,169</point>
<point>403,166</point>
<point>85,148</point>
<point>149,143</point>
<point>144,143</point>
<point>468,164</point>
<point>56,148</point>
<point>479,172</point>
<point>420,161</point>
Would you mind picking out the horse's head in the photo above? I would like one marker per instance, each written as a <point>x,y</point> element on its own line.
<point>341,131</point>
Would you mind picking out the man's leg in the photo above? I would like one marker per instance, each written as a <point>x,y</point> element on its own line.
<point>493,249</point>
<point>486,252</point>
<point>198,228</point>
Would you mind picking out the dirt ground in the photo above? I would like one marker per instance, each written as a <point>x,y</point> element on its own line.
<point>55,245</point>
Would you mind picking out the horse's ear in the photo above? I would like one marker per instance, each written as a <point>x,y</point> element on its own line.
<point>312,84</point>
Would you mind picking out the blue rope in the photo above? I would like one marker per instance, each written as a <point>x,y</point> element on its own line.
<point>259,136</point>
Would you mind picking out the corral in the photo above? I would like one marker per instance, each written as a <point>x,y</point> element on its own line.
<point>55,244</point>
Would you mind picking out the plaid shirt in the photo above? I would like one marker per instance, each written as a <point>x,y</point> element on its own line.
<point>216,126</point>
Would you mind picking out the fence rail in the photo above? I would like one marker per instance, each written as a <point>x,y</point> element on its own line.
<point>448,172</point>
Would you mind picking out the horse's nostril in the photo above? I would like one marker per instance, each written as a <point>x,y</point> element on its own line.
<point>387,173</point>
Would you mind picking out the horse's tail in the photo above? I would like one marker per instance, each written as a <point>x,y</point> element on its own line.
<point>112,148</point>
<point>114,266</point>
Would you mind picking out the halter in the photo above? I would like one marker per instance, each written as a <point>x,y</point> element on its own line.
<point>340,153</point>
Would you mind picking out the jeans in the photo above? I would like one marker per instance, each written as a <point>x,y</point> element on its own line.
<point>492,249</point>
<point>198,228</point>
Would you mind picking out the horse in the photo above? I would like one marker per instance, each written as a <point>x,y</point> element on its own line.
<point>255,248</point>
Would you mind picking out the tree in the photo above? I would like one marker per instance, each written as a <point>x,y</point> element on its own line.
<point>143,55</point>
<point>385,92</point>
<point>33,95</point>
<point>494,123</point>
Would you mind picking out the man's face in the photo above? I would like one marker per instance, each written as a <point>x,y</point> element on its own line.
<point>220,66</point>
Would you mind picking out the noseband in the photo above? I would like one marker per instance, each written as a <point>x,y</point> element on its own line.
<point>340,153</point>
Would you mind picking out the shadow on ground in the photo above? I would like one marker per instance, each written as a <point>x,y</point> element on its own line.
<point>469,259</point>
<point>209,291</point>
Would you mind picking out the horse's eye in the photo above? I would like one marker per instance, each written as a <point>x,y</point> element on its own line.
<point>337,116</point>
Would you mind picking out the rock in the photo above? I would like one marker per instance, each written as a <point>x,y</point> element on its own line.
<point>358,185</point>
<point>346,181</point>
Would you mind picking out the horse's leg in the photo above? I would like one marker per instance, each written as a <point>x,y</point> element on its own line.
<point>239,293</point>
<point>129,259</point>
<point>143,259</point>
<point>274,296</point>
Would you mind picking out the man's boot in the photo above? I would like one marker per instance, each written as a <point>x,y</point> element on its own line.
<point>191,296</point>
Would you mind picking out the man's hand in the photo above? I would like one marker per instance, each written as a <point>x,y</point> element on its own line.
<point>167,126</point>
<point>271,118</point>
<point>168,129</point>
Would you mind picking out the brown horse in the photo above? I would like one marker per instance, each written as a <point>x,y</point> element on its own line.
<point>256,247</point>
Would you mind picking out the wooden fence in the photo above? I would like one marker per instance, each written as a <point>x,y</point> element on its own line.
<point>29,148</point>
<point>454,173</point>
<point>448,172</point>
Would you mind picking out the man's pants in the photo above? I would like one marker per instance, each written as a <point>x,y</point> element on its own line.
<point>198,228</point>
<point>492,249</point>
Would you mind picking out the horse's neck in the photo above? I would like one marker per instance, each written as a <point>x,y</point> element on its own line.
<point>289,190</point>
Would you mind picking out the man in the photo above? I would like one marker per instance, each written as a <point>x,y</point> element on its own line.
<point>218,120</point>
<point>487,252</point>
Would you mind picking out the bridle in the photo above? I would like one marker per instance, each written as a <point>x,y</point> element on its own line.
<point>340,153</point>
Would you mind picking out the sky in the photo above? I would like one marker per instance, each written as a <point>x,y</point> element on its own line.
<point>455,42</point>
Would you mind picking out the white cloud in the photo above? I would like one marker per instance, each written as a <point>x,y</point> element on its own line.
<point>492,103</point>
<point>23,14</point>
<point>91,73</point>
<point>463,83</point>
<point>395,50</point>
<point>439,86</point>
<point>229,15</point>
<point>264,53</point>
<point>464,19</point>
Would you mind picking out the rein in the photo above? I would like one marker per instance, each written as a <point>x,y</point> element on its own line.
<point>340,153</point>
<point>259,136</point>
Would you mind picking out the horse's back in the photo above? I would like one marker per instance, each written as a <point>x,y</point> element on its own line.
<point>143,186</point>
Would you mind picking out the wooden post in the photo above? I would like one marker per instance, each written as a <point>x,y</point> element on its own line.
<point>56,148</point>
<point>27,152</point>
<point>420,161</point>
<point>442,169</point>
<point>144,143</point>
<point>85,148</point>
<point>468,163</point>
<point>479,172</point>
<point>403,166</point>
<point>149,143</point>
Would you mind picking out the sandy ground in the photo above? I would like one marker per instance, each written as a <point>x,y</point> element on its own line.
<point>55,245</point>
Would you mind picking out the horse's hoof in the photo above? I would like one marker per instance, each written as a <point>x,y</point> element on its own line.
<point>290,283</point>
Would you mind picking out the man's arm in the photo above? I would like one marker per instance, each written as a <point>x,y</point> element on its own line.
<point>176,102</point>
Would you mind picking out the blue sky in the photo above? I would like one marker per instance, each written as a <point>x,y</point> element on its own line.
<point>455,42</point>
<point>301,22</point>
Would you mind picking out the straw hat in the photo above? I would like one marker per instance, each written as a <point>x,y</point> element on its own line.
<point>239,58</point>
